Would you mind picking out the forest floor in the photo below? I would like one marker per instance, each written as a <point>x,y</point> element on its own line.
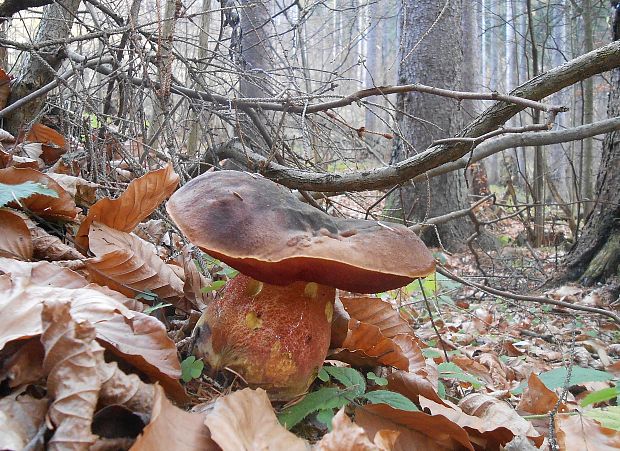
<point>438,364</point>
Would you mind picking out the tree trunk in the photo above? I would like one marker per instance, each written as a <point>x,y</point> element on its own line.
<point>34,71</point>
<point>437,61</point>
<point>596,255</point>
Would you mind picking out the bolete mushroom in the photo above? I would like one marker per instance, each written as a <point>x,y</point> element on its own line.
<point>295,254</point>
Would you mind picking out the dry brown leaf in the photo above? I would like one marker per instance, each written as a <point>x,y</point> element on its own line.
<point>578,433</point>
<point>194,282</point>
<point>488,433</point>
<point>72,380</point>
<point>472,367</point>
<point>49,247</point>
<point>61,208</point>
<point>141,198</point>
<point>365,345</point>
<point>25,364</point>
<point>418,430</point>
<point>130,265</point>
<point>138,339</point>
<point>495,413</point>
<point>497,370</point>
<point>53,143</point>
<point>173,429</point>
<point>15,239</point>
<point>6,137</point>
<point>537,399</point>
<point>421,377</point>
<point>120,389</point>
<point>346,436</point>
<point>83,191</point>
<point>245,420</point>
<point>5,88</point>
<point>21,418</point>
<point>377,312</point>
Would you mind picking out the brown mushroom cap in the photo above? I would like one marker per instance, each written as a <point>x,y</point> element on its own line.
<point>261,229</point>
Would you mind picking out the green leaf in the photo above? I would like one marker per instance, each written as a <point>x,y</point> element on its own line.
<point>609,417</point>
<point>322,399</point>
<point>216,285</point>
<point>150,310</point>
<point>555,378</point>
<point>325,417</point>
<point>392,399</point>
<point>382,381</point>
<point>441,390</point>
<point>191,368</point>
<point>146,296</point>
<point>431,353</point>
<point>10,193</point>
<point>601,395</point>
<point>323,375</point>
<point>448,370</point>
<point>348,377</point>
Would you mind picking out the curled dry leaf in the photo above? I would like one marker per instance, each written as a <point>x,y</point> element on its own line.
<point>488,432</point>
<point>473,367</point>
<point>138,339</point>
<point>578,433</point>
<point>420,378</point>
<point>120,389</point>
<point>49,247</point>
<point>419,431</point>
<point>375,311</point>
<point>5,88</point>
<point>53,143</point>
<point>173,429</point>
<point>141,198</point>
<point>83,191</point>
<point>537,399</point>
<point>21,419</point>
<point>346,435</point>
<point>129,264</point>
<point>245,420</point>
<point>25,365</point>
<point>194,282</point>
<point>498,414</point>
<point>61,208</point>
<point>15,239</point>
<point>72,380</point>
<point>365,345</point>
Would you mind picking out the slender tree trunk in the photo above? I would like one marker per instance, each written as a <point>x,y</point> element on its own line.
<point>588,109</point>
<point>437,61</point>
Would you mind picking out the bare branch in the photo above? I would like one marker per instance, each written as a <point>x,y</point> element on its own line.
<point>10,7</point>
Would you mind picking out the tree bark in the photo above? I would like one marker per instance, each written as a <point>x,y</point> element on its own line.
<point>434,58</point>
<point>596,254</point>
<point>38,69</point>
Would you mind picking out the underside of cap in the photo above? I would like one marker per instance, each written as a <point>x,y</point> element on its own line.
<point>261,229</point>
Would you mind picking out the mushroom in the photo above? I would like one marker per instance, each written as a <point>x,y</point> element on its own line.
<point>289,254</point>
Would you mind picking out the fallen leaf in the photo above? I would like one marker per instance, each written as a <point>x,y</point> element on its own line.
<point>141,198</point>
<point>61,208</point>
<point>365,345</point>
<point>194,282</point>
<point>49,247</point>
<point>537,399</point>
<point>495,413</point>
<point>83,191</point>
<point>5,88</point>
<point>578,433</point>
<point>15,240</point>
<point>24,365</point>
<point>21,418</point>
<point>120,389</point>
<point>53,143</point>
<point>346,435</point>
<point>136,338</point>
<point>418,430</point>
<point>171,428</point>
<point>245,420</point>
<point>72,380</point>
<point>375,311</point>
<point>129,264</point>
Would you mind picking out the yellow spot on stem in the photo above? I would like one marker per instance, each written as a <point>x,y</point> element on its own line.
<point>252,321</point>
<point>311,290</point>
<point>329,311</point>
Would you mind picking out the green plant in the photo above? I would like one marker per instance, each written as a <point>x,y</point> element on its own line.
<point>448,370</point>
<point>191,368</point>
<point>326,400</point>
<point>555,378</point>
<point>601,396</point>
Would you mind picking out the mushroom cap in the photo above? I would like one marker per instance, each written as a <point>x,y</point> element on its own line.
<point>261,229</point>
